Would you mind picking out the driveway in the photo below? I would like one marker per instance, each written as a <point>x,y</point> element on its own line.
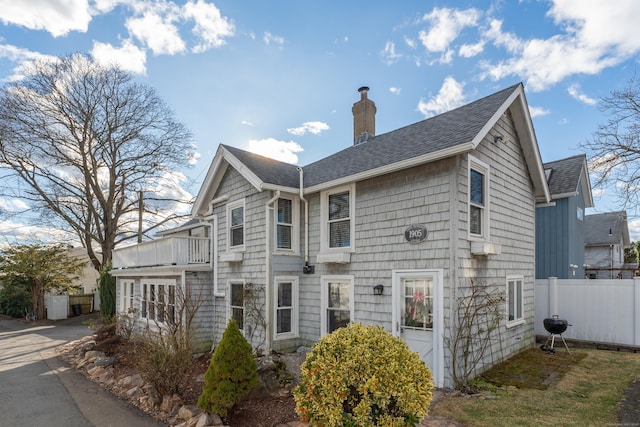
<point>36,388</point>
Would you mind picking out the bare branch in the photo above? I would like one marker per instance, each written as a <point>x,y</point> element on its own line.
<point>84,139</point>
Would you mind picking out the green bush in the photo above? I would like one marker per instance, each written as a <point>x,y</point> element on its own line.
<point>15,301</point>
<point>107,291</point>
<point>231,375</point>
<point>363,376</point>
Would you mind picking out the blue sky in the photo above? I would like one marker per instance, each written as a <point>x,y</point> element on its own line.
<point>280,78</point>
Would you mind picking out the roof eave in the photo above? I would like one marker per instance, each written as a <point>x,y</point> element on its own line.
<point>211,182</point>
<point>393,167</point>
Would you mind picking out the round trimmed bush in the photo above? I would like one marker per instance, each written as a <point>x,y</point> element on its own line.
<point>363,376</point>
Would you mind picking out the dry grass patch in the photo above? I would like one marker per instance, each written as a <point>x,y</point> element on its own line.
<point>536,388</point>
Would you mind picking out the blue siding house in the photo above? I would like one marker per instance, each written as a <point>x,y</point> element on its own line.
<point>560,225</point>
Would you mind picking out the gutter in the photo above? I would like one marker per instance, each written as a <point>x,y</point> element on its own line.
<point>306,219</point>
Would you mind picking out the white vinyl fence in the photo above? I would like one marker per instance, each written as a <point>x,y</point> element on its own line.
<point>602,311</point>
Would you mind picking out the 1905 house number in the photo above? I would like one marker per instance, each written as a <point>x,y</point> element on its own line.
<point>415,233</point>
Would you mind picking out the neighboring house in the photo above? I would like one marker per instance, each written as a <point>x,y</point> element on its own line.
<point>560,224</point>
<point>606,237</point>
<point>88,280</point>
<point>390,231</point>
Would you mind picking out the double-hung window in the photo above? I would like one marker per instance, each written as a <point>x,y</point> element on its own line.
<point>338,220</point>
<point>235,221</point>
<point>514,300</point>
<point>286,307</point>
<point>478,199</point>
<point>236,303</point>
<point>284,224</point>
<point>336,302</point>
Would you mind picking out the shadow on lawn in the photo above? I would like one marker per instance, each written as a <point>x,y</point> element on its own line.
<point>532,368</point>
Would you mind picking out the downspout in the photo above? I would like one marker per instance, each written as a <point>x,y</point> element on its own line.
<point>267,281</point>
<point>306,217</point>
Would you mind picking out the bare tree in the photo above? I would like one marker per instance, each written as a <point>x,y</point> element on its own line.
<point>614,149</point>
<point>83,142</point>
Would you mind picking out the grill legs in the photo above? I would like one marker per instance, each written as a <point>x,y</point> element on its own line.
<point>552,337</point>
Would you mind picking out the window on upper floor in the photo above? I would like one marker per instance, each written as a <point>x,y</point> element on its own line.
<point>337,211</point>
<point>478,199</point>
<point>286,225</point>
<point>514,300</point>
<point>235,221</point>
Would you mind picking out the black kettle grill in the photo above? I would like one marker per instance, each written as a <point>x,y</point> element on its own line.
<point>555,327</point>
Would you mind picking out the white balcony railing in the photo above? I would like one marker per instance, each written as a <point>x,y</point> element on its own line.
<point>177,250</point>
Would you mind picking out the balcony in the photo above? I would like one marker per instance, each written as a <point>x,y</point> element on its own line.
<point>167,251</point>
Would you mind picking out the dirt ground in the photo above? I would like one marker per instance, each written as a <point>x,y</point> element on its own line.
<point>269,405</point>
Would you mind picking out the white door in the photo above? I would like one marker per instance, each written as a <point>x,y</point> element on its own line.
<point>418,315</point>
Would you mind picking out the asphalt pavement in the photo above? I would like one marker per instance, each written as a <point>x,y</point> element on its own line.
<point>38,389</point>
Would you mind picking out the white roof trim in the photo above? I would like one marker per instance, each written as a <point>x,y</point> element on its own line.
<point>393,167</point>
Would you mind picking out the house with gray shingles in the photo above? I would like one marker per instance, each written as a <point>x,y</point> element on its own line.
<point>606,238</point>
<point>390,231</point>
<point>560,224</point>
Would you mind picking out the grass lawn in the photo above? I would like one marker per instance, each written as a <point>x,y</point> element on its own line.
<point>536,388</point>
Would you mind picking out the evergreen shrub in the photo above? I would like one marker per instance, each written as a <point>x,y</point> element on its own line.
<point>231,375</point>
<point>363,376</point>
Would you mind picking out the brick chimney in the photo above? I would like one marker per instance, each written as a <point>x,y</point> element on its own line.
<point>364,118</point>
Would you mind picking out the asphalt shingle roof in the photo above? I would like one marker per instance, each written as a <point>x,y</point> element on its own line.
<point>268,170</point>
<point>597,227</point>
<point>565,174</point>
<point>437,133</point>
<point>447,130</point>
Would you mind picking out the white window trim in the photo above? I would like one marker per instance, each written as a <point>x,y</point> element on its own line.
<point>231,206</point>
<point>324,299</point>
<point>244,307</point>
<point>295,230</point>
<point>324,220</point>
<point>158,282</point>
<point>486,171</point>
<point>520,300</point>
<point>126,295</point>
<point>295,314</point>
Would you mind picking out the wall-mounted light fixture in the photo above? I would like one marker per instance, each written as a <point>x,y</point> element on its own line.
<point>378,289</point>
<point>498,138</point>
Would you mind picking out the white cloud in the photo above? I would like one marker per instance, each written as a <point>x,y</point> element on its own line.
<point>389,55</point>
<point>269,38</point>
<point>56,17</point>
<point>311,127</point>
<point>158,32</point>
<point>12,205</point>
<point>129,57</point>
<point>410,42</point>
<point>21,56</point>
<point>446,26</point>
<point>395,90</point>
<point>634,229</point>
<point>210,25</point>
<point>593,36</point>
<point>449,97</point>
<point>471,50</point>
<point>576,92</point>
<point>246,123</point>
<point>275,149</point>
<point>538,111</point>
